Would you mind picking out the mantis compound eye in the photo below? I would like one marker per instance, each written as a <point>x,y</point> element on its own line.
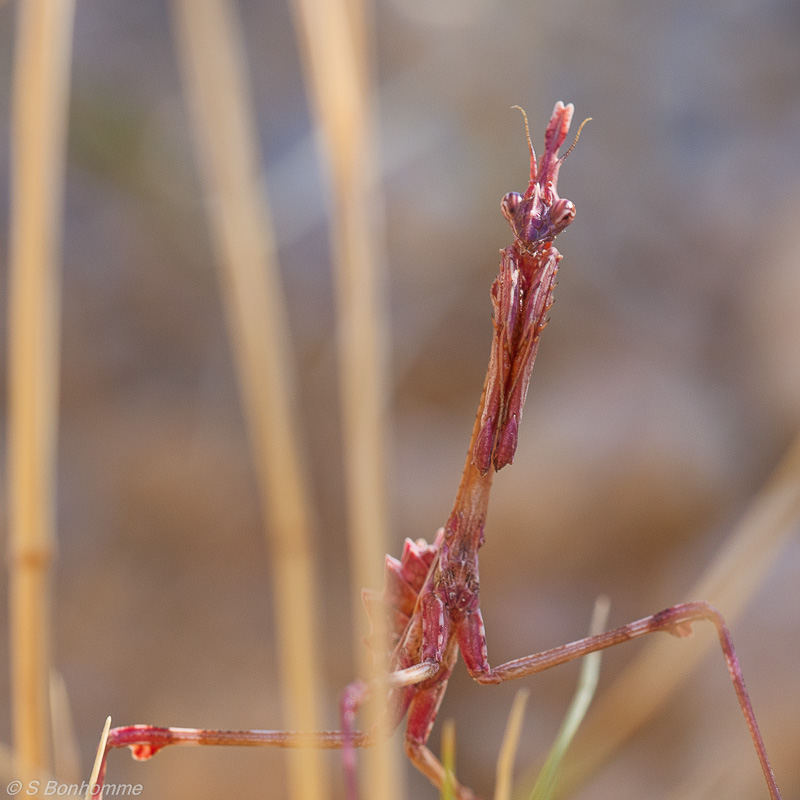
<point>510,204</point>
<point>562,214</point>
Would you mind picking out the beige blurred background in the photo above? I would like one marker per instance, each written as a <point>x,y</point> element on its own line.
<point>667,385</point>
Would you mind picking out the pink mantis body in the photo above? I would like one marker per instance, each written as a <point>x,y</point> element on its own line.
<point>431,595</point>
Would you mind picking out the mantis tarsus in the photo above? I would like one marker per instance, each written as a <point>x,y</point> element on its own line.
<point>430,598</point>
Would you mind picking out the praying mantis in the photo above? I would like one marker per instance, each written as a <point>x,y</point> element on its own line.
<point>429,605</point>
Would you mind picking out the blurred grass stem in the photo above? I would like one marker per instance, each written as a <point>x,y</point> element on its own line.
<point>587,684</point>
<point>448,760</point>
<point>333,36</point>
<point>66,757</point>
<point>98,759</point>
<point>39,127</point>
<point>212,54</point>
<point>508,749</point>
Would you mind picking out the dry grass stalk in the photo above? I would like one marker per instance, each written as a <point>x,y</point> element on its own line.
<point>729,583</point>
<point>39,126</point>
<point>508,749</point>
<point>98,760</point>
<point>66,758</point>
<point>332,36</point>
<point>448,760</point>
<point>211,50</point>
<point>728,766</point>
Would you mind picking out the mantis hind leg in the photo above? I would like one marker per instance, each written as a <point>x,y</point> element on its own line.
<point>421,716</point>
<point>353,697</point>
<point>676,620</point>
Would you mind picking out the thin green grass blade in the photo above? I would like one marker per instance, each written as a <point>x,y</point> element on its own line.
<point>587,683</point>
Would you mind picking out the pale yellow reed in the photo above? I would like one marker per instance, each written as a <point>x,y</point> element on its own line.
<point>448,760</point>
<point>508,749</point>
<point>66,758</point>
<point>333,38</point>
<point>98,759</point>
<point>39,125</point>
<point>212,56</point>
<point>726,764</point>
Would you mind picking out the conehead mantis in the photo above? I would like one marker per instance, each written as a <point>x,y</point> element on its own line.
<point>430,600</point>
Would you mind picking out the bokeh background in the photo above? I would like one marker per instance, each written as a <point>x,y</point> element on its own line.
<point>667,385</point>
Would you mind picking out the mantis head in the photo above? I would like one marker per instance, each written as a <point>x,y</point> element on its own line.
<point>540,214</point>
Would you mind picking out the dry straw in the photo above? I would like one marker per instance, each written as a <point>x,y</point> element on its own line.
<point>334,45</point>
<point>448,791</point>
<point>66,757</point>
<point>39,126</point>
<point>508,749</point>
<point>212,56</point>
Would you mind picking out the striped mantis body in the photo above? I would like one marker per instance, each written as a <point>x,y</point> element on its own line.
<point>430,600</point>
